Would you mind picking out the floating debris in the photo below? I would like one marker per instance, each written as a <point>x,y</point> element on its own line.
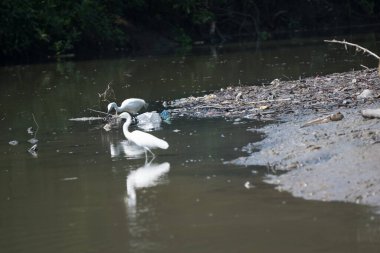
<point>30,130</point>
<point>107,127</point>
<point>13,143</point>
<point>33,140</point>
<point>248,185</point>
<point>87,119</point>
<point>33,150</point>
<point>69,178</point>
<point>165,115</point>
<point>149,121</point>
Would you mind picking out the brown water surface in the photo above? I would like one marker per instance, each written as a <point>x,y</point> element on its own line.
<point>73,196</point>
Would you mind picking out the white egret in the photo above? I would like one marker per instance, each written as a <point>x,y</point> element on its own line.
<point>142,139</point>
<point>131,105</point>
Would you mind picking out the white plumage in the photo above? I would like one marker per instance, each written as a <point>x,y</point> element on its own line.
<point>131,105</point>
<point>142,139</point>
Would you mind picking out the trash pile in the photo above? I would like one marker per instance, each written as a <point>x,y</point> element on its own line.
<point>281,99</point>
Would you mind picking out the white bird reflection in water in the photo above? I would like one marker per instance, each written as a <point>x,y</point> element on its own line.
<point>148,175</point>
<point>142,217</point>
<point>127,149</point>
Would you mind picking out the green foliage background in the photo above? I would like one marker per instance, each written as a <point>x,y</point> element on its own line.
<point>40,27</point>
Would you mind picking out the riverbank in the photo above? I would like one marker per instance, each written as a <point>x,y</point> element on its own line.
<point>330,160</point>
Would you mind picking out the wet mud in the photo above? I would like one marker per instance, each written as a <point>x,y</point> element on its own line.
<point>319,145</point>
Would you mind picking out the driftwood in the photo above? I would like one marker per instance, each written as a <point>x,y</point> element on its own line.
<point>86,119</point>
<point>332,117</point>
<point>358,48</point>
<point>371,113</point>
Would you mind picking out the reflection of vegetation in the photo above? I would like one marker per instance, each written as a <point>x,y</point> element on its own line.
<point>59,27</point>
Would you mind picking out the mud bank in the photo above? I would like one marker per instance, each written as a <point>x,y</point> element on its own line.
<point>336,161</point>
<point>332,161</point>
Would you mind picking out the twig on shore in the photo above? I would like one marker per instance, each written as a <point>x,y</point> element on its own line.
<point>271,101</point>
<point>363,66</point>
<point>359,48</point>
<point>332,117</point>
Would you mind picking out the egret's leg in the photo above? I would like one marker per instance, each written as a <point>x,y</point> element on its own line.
<point>146,156</point>
<point>147,163</point>
<point>152,160</point>
<point>151,152</point>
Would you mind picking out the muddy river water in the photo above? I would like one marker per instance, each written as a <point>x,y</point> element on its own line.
<point>72,196</point>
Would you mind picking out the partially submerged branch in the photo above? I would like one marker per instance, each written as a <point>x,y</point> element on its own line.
<point>35,121</point>
<point>108,94</point>
<point>358,48</point>
<point>108,114</point>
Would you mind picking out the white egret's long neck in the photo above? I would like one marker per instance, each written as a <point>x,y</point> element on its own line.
<point>117,108</point>
<point>126,125</point>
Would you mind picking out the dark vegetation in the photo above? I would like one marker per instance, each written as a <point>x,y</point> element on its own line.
<point>33,28</point>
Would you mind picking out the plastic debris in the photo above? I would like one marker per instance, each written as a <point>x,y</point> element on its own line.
<point>107,127</point>
<point>165,115</point>
<point>13,143</point>
<point>238,96</point>
<point>33,140</point>
<point>69,178</point>
<point>30,130</point>
<point>149,121</point>
<point>263,107</point>
<point>33,150</point>
<point>366,94</point>
<point>248,185</point>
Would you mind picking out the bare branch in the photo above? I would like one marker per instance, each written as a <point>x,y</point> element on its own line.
<point>359,48</point>
<point>108,93</point>
<point>99,112</point>
<point>35,121</point>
